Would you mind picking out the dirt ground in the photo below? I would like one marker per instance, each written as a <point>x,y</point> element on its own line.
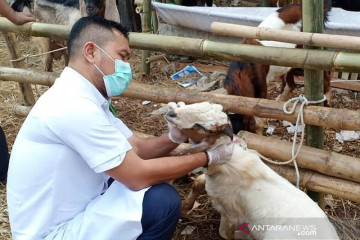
<point>204,219</point>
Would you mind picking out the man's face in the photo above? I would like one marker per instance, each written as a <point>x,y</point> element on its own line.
<point>118,48</point>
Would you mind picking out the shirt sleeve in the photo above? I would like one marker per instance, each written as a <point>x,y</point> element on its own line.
<point>86,129</point>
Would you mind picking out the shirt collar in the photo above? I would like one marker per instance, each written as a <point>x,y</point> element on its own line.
<point>84,86</point>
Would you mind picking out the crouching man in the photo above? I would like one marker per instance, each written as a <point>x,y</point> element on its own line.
<point>71,144</point>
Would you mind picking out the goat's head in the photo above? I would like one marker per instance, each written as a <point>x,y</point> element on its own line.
<point>201,121</point>
<point>93,7</point>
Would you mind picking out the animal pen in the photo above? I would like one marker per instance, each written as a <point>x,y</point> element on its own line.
<point>321,171</point>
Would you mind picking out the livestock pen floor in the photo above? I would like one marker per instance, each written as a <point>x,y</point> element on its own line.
<point>203,221</point>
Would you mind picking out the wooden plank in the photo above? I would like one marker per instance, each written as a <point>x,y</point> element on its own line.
<point>354,86</point>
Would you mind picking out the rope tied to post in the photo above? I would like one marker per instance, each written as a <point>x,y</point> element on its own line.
<point>300,125</point>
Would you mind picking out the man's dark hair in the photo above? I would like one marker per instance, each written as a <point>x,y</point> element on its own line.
<point>95,29</point>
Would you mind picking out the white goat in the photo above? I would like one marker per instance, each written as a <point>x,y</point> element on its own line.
<point>245,190</point>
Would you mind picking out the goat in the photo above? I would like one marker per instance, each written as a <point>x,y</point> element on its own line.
<point>65,12</point>
<point>289,18</point>
<point>247,80</point>
<point>243,190</point>
<point>54,12</point>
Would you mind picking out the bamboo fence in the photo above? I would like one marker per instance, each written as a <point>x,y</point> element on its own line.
<point>299,58</point>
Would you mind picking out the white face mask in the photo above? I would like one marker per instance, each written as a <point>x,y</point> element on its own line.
<point>116,83</point>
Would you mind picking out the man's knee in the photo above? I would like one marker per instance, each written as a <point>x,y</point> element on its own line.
<point>161,203</point>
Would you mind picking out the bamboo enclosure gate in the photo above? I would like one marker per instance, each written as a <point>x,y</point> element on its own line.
<point>328,176</point>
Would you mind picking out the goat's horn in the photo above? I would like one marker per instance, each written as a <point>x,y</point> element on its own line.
<point>228,131</point>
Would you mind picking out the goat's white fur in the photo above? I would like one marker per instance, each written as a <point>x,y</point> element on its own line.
<point>274,22</point>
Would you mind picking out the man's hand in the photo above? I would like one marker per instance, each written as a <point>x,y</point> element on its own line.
<point>222,153</point>
<point>175,133</point>
<point>19,18</point>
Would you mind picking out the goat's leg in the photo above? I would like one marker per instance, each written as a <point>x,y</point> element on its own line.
<point>327,89</point>
<point>47,58</point>
<point>197,188</point>
<point>288,86</point>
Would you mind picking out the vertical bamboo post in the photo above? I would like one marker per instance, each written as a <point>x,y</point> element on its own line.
<point>265,3</point>
<point>146,28</point>
<point>13,47</point>
<point>314,79</point>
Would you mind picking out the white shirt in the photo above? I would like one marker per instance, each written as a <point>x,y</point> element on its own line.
<point>60,154</point>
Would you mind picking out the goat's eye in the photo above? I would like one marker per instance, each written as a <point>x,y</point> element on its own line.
<point>172,114</point>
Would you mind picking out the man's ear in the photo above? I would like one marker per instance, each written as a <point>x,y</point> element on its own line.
<point>90,52</point>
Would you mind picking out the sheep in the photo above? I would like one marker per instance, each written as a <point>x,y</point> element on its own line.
<point>245,191</point>
<point>247,80</point>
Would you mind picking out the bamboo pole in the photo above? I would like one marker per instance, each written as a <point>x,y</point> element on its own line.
<point>155,58</point>
<point>14,50</point>
<point>146,28</point>
<point>28,76</point>
<point>300,58</point>
<point>301,38</point>
<point>320,116</point>
<point>264,108</point>
<point>36,29</point>
<point>21,111</point>
<point>326,162</point>
<point>313,19</point>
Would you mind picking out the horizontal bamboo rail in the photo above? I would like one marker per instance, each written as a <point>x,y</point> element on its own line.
<point>318,182</point>
<point>326,162</point>
<point>264,108</point>
<point>320,116</point>
<point>301,38</point>
<point>310,180</point>
<point>300,58</point>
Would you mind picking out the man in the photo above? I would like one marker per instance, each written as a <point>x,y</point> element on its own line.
<point>70,144</point>
<point>14,16</point>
